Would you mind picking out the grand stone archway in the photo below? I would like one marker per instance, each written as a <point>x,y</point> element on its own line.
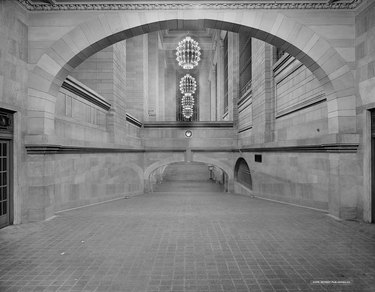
<point>103,30</point>
<point>285,30</point>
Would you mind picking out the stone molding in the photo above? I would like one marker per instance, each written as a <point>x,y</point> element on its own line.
<point>302,105</point>
<point>282,69</point>
<point>133,120</point>
<point>167,5</point>
<point>323,148</point>
<point>73,85</point>
<point>188,125</point>
<point>59,149</point>
<point>245,129</point>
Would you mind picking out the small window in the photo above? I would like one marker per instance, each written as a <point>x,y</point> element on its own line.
<point>258,157</point>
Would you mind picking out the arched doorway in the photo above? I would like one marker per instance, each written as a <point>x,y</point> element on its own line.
<point>242,176</point>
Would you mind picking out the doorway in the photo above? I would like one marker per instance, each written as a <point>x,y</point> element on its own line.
<point>6,138</point>
<point>373,166</point>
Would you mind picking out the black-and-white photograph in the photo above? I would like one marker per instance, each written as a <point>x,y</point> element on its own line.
<point>187,145</point>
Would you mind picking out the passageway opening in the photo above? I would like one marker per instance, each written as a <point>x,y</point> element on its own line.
<point>189,177</point>
<point>373,166</point>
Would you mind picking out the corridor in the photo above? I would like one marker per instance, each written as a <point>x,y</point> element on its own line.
<point>188,241</point>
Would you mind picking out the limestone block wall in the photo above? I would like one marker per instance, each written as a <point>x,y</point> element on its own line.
<point>170,82</point>
<point>106,73</point>
<point>96,72</point>
<point>204,88</point>
<point>365,78</point>
<point>262,97</point>
<point>13,88</point>
<point>319,180</point>
<point>300,101</point>
<point>79,121</point>
<point>245,118</point>
<point>134,76</point>
<point>121,135</point>
<point>63,181</point>
<point>288,108</point>
<point>299,178</point>
<point>171,137</point>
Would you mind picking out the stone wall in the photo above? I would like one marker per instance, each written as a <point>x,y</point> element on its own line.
<point>79,121</point>
<point>174,137</point>
<point>319,180</point>
<point>262,97</point>
<point>96,72</point>
<point>13,88</point>
<point>106,73</point>
<point>288,108</point>
<point>365,78</point>
<point>63,181</point>
<point>300,101</point>
<point>134,76</point>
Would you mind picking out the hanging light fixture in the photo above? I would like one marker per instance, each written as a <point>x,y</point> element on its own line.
<point>188,53</point>
<point>187,112</point>
<point>188,85</point>
<point>187,101</point>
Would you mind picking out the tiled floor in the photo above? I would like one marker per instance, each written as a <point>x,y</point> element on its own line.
<point>188,242</point>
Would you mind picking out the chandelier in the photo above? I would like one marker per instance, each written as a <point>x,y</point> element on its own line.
<point>187,101</point>
<point>188,53</point>
<point>187,112</point>
<point>188,85</point>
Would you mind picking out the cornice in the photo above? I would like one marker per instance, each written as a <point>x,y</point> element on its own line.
<point>171,124</point>
<point>73,85</point>
<point>183,5</point>
<point>323,148</point>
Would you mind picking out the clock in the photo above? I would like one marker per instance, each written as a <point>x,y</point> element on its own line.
<point>188,134</point>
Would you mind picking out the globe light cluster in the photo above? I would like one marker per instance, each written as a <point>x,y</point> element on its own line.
<point>187,112</point>
<point>188,53</point>
<point>187,101</point>
<point>188,85</point>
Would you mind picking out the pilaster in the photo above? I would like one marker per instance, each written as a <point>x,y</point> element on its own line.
<point>220,80</point>
<point>213,84</point>
<point>233,76</point>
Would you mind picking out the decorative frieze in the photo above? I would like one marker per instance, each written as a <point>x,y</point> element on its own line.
<point>166,5</point>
